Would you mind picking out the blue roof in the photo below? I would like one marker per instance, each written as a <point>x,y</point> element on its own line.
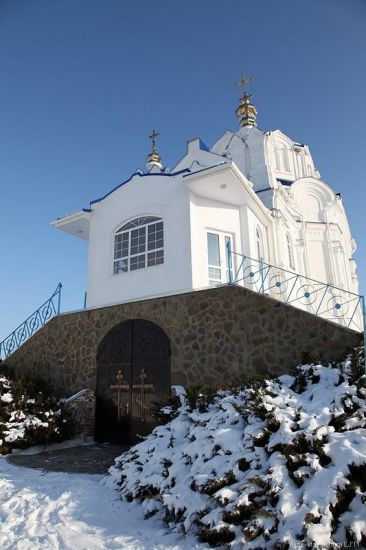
<point>205,168</point>
<point>140,175</point>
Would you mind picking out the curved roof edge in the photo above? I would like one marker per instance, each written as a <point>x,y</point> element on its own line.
<point>141,175</point>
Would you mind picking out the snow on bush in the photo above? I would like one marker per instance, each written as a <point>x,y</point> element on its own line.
<point>28,416</point>
<point>271,465</point>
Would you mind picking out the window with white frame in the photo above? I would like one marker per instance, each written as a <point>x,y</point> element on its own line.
<point>219,258</point>
<point>139,244</point>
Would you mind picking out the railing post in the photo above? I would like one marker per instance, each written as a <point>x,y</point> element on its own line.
<point>229,260</point>
<point>364,327</point>
<point>261,272</point>
<point>59,299</point>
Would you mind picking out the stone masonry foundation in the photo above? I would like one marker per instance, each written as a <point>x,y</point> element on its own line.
<point>218,335</point>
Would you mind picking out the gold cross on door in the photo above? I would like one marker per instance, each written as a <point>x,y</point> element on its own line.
<point>122,408</point>
<point>144,407</point>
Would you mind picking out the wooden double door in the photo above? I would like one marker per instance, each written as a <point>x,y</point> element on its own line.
<point>133,374</point>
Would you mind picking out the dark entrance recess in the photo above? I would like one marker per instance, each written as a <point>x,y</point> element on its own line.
<point>133,372</point>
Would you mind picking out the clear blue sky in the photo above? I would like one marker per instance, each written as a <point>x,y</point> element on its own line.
<point>83,82</point>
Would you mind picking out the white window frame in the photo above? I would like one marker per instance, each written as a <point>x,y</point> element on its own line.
<point>223,262</point>
<point>122,263</point>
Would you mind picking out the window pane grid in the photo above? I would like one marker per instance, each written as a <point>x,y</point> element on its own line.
<point>139,245</point>
<point>121,246</point>
<point>138,222</point>
<point>214,275</point>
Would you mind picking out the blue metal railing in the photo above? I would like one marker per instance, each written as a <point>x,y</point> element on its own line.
<point>34,322</point>
<point>334,304</point>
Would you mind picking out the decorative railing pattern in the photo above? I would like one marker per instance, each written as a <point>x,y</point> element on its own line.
<point>334,304</point>
<point>34,322</point>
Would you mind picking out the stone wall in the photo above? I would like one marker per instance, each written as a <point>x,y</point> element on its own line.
<point>217,335</point>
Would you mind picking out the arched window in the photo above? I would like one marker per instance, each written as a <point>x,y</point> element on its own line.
<point>285,160</point>
<point>277,159</point>
<point>139,244</point>
<point>283,157</point>
<point>289,252</point>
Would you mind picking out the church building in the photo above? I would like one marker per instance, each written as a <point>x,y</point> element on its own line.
<point>255,193</point>
<point>237,262</point>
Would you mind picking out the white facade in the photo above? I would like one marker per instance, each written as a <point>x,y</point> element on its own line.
<point>259,192</point>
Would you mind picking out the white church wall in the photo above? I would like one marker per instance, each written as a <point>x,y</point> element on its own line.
<point>311,222</point>
<point>254,224</point>
<point>287,160</point>
<point>208,216</point>
<point>135,199</point>
<point>319,258</point>
<point>246,149</point>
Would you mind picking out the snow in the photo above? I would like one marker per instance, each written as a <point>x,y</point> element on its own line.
<point>277,464</point>
<point>6,397</point>
<point>266,464</point>
<point>58,511</point>
<point>28,416</point>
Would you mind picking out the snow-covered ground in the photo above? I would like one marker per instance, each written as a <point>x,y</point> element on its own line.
<point>272,465</point>
<point>279,464</point>
<point>73,512</point>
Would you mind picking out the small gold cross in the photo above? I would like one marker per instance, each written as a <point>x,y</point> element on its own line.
<point>153,137</point>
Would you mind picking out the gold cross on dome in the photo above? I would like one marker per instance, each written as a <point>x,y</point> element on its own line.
<point>153,137</point>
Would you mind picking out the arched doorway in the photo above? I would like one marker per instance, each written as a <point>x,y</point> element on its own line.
<point>133,372</point>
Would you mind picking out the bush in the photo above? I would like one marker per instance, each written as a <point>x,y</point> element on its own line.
<point>29,415</point>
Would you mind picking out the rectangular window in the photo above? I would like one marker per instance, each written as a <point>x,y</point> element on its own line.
<point>155,238</point>
<point>121,246</point>
<point>214,263</point>
<point>220,268</point>
<point>214,275</point>
<point>137,262</point>
<point>155,258</point>
<point>138,238</point>
<point>120,266</point>
<point>213,247</point>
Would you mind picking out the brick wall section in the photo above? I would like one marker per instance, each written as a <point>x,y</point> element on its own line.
<point>220,334</point>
